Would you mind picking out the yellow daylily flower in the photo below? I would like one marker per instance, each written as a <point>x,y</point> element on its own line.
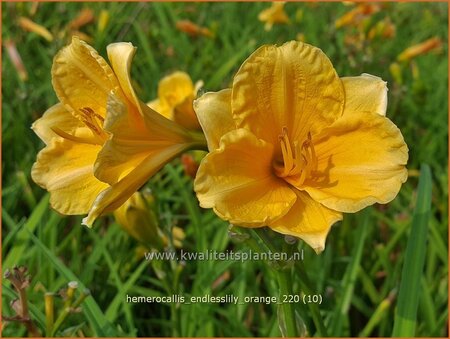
<point>293,146</point>
<point>102,143</point>
<point>138,218</point>
<point>176,93</point>
<point>275,14</point>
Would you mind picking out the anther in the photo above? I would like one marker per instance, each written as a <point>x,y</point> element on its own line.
<point>93,121</point>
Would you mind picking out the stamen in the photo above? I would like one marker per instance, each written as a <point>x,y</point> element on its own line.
<point>71,137</point>
<point>286,151</point>
<point>93,121</point>
<point>302,178</point>
<point>298,161</point>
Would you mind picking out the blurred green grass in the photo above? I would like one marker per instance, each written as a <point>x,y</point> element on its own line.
<point>57,249</point>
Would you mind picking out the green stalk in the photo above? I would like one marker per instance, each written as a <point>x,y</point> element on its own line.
<point>67,310</point>
<point>377,316</point>
<point>262,239</point>
<point>285,286</point>
<point>284,277</point>
<point>405,321</point>
<point>313,308</point>
<point>198,141</point>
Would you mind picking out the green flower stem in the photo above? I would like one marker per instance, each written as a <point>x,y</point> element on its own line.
<point>313,308</point>
<point>304,280</point>
<point>67,310</point>
<point>198,141</point>
<point>262,239</point>
<point>285,285</point>
<point>284,277</point>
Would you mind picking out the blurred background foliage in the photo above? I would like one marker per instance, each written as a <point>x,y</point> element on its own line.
<point>359,272</point>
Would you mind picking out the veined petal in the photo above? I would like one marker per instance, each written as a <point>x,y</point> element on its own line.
<point>292,86</point>
<point>82,78</point>
<point>307,220</point>
<point>361,161</point>
<point>237,181</point>
<point>365,94</point>
<point>129,144</point>
<point>213,111</point>
<point>55,116</point>
<point>115,195</point>
<point>65,169</point>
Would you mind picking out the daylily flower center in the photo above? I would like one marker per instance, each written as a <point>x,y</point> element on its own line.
<point>93,121</point>
<point>299,159</point>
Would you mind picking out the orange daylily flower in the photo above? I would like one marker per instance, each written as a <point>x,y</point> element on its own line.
<point>357,14</point>
<point>422,48</point>
<point>384,28</point>
<point>83,18</point>
<point>193,29</point>
<point>293,146</point>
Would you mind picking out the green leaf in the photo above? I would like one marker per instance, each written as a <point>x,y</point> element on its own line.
<point>21,238</point>
<point>350,276</point>
<point>408,299</point>
<point>100,325</point>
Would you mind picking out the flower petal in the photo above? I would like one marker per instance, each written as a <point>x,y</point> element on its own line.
<point>121,54</point>
<point>65,169</point>
<point>148,121</point>
<point>160,107</point>
<point>292,86</point>
<point>176,93</point>
<point>366,93</point>
<point>361,161</point>
<point>174,88</point>
<point>307,220</point>
<point>184,114</point>
<point>82,78</point>
<point>273,14</point>
<point>55,116</point>
<point>130,143</point>
<point>237,181</point>
<point>213,111</point>
<point>115,195</point>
